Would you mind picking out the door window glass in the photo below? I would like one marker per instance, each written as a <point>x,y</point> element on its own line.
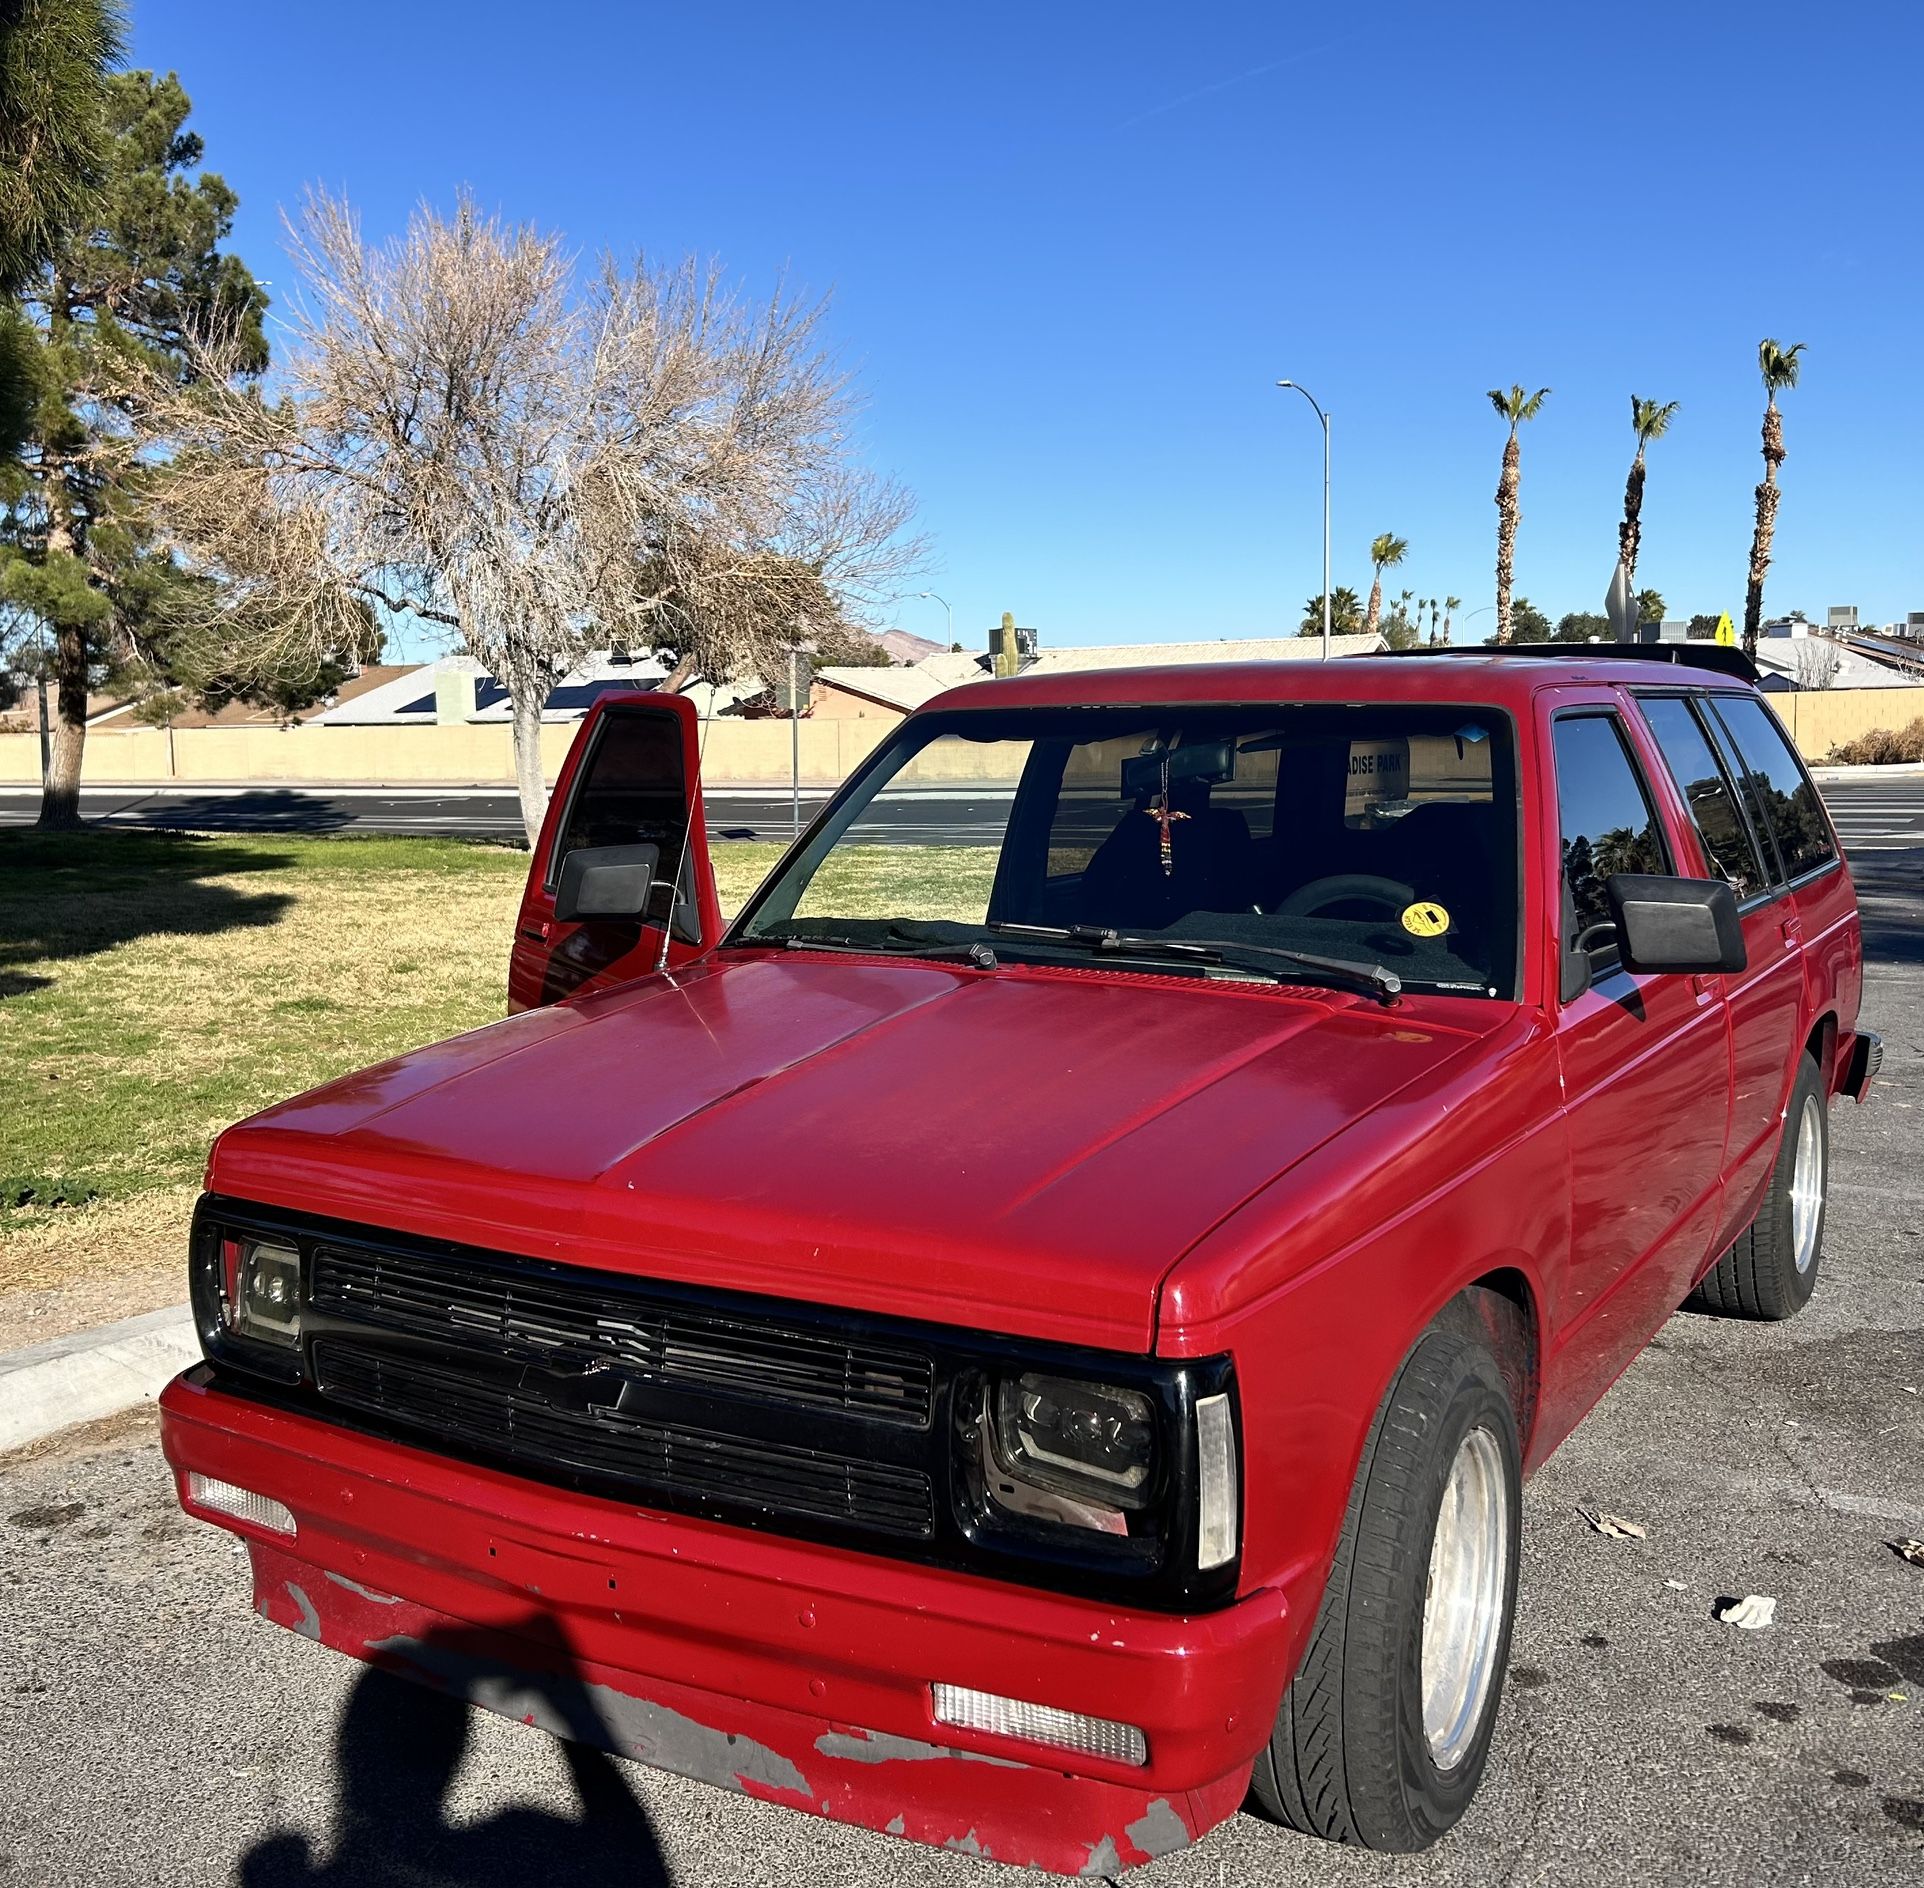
<point>1608,826</point>
<point>631,791</point>
<point>1700,779</point>
<point>1780,784</point>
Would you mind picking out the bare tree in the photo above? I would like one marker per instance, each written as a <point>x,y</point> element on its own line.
<point>469,434</point>
<point>1817,662</point>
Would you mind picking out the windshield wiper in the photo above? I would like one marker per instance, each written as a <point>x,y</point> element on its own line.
<point>1381,983</point>
<point>977,953</point>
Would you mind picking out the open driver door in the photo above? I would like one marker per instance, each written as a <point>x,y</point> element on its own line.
<point>621,884</point>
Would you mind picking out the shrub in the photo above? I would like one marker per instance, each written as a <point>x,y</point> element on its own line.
<point>1883,746</point>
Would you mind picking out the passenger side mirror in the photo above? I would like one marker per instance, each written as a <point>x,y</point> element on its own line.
<point>1675,924</point>
<point>606,882</point>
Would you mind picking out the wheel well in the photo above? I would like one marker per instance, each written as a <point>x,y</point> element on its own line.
<point>1505,1311</point>
<point>1821,1044</point>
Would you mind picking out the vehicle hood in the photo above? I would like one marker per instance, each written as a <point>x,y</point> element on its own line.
<point>1026,1152</point>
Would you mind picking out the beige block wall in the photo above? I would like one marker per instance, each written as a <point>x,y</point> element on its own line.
<point>734,752</point>
<point>462,755</point>
<point>1820,719</point>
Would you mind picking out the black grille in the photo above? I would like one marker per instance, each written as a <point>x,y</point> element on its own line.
<point>499,1415</point>
<point>585,1321</point>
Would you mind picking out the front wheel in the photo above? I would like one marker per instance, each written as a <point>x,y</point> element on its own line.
<point>1384,1732</point>
<point>1772,1269</point>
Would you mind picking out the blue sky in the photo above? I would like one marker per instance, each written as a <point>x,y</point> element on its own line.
<point>1072,246</point>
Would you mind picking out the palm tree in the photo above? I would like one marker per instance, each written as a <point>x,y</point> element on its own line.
<point>1385,553</point>
<point>1650,606</point>
<point>1450,607</point>
<point>1778,365</point>
<point>1345,612</point>
<point>1516,406</point>
<point>1649,421</point>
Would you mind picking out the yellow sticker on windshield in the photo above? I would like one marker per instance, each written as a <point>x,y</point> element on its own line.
<point>1424,919</point>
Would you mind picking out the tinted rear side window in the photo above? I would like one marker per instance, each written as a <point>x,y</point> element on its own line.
<point>1778,780</point>
<point>1608,827</point>
<point>1700,779</point>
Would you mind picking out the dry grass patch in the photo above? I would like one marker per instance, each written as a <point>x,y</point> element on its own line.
<point>155,987</point>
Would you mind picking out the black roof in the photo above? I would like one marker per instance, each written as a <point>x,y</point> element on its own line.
<point>1717,657</point>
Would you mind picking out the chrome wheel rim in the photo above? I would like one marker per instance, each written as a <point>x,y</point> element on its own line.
<point>1807,1183</point>
<point>1463,1602</point>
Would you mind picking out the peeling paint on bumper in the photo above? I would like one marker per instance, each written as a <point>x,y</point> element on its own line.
<point>788,1672</point>
<point>1002,1810</point>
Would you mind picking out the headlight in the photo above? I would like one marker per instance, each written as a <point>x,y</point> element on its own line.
<point>260,1290</point>
<point>1064,1451</point>
<point>1084,1439</point>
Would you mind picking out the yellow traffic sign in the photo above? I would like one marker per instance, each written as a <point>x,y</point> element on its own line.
<point>1726,629</point>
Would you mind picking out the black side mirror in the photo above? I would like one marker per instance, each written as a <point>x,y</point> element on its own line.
<point>1675,924</point>
<point>606,882</point>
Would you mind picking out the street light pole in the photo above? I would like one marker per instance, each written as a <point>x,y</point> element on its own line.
<point>1324,417</point>
<point>929,596</point>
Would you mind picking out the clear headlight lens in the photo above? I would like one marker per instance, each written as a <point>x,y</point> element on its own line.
<point>260,1287</point>
<point>1091,1441</point>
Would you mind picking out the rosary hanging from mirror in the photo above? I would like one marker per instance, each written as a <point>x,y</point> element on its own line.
<point>1165,819</point>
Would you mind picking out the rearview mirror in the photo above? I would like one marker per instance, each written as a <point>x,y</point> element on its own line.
<point>606,882</point>
<point>1193,760</point>
<point>1675,924</point>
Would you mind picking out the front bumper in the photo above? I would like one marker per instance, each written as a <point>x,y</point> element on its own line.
<point>795,1672</point>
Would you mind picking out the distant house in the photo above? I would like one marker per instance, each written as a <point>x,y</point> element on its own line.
<point>890,694</point>
<point>871,694</point>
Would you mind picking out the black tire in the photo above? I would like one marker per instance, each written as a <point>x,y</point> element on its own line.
<point>1349,1759</point>
<point>1759,1277</point>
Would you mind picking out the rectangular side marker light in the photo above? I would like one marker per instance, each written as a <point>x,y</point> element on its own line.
<point>1040,1724</point>
<point>1216,1477</point>
<point>242,1503</point>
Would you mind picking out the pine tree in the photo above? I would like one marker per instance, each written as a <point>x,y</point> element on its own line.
<point>54,56</point>
<point>133,287</point>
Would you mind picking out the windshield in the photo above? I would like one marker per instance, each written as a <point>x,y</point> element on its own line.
<point>1370,837</point>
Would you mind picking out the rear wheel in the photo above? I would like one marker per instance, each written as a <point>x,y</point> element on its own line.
<point>1772,1269</point>
<point>1383,1735</point>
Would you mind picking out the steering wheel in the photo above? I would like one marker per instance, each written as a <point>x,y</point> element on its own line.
<point>1340,888</point>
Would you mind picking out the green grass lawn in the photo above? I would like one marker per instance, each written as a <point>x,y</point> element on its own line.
<point>155,987</point>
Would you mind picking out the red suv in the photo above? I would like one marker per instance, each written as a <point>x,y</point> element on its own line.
<point>1034,1334</point>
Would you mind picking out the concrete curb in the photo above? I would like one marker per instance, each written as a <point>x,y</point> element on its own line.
<point>67,1380</point>
<point>1882,770</point>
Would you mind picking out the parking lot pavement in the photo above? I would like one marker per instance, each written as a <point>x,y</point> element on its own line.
<point>155,1731</point>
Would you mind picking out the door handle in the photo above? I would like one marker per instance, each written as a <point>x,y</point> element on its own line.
<point>1793,930</point>
<point>1703,986</point>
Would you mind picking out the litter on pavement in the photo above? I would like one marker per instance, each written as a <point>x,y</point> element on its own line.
<point>1753,1612</point>
<point>1613,1525</point>
<point>1913,1551</point>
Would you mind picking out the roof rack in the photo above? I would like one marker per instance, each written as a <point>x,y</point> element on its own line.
<point>1718,657</point>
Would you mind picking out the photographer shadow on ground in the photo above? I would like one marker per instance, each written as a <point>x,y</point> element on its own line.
<point>397,1751</point>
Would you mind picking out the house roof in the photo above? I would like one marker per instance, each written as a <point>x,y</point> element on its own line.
<point>407,700</point>
<point>1777,657</point>
<point>952,669</point>
<point>893,688</point>
<point>1163,655</point>
<point>241,714</point>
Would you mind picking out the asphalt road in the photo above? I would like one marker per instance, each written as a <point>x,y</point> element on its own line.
<point>938,816</point>
<point>1871,815</point>
<point>155,1731</point>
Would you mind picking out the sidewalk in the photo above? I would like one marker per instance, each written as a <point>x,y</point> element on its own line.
<point>89,1374</point>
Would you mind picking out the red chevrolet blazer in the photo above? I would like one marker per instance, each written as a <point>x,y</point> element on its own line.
<point>1031,1338</point>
